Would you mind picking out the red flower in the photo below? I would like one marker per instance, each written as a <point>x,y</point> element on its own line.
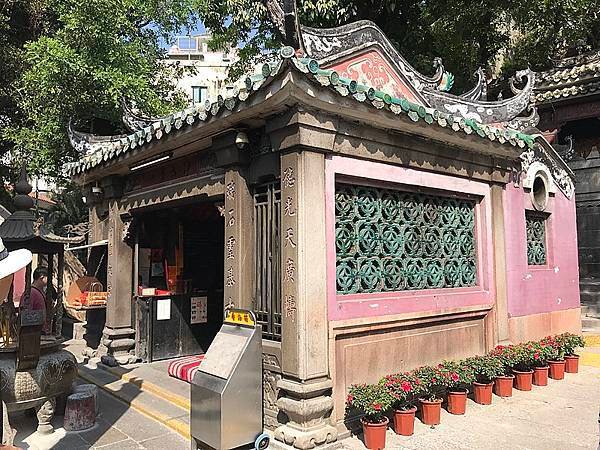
<point>433,380</point>
<point>406,387</point>
<point>455,377</point>
<point>536,355</point>
<point>350,398</point>
<point>417,381</point>
<point>377,406</point>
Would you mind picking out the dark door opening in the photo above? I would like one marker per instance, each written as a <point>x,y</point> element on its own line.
<point>179,305</point>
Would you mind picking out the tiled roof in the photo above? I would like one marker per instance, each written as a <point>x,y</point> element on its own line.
<point>581,77</point>
<point>101,149</point>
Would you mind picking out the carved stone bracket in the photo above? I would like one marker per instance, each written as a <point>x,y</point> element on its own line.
<point>307,408</point>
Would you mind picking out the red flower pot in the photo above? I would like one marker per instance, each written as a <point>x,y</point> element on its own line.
<point>557,369</point>
<point>572,364</point>
<point>430,411</point>
<point>540,376</point>
<point>523,380</point>
<point>404,421</point>
<point>457,402</point>
<point>482,393</point>
<point>503,386</point>
<point>374,433</point>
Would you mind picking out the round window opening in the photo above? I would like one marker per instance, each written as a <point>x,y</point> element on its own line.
<point>539,192</point>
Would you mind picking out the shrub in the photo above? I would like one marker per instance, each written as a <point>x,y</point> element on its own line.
<point>405,388</point>
<point>372,400</point>
<point>569,342</point>
<point>507,355</point>
<point>554,346</point>
<point>431,380</point>
<point>531,354</point>
<point>456,375</point>
<point>485,368</point>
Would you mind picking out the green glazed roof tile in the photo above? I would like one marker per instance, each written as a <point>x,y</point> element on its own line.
<point>326,77</point>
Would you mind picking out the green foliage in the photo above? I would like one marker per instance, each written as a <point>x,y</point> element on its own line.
<point>78,61</point>
<point>456,375</point>
<point>432,382</point>
<point>405,388</point>
<point>498,35</point>
<point>372,400</point>
<point>568,342</point>
<point>485,368</point>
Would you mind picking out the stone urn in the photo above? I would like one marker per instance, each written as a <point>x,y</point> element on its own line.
<point>40,387</point>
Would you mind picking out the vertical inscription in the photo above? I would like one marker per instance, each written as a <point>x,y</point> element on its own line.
<point>289,248</point>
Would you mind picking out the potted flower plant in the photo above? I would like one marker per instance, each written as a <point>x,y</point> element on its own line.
<point>523,362</point>
<point>405,389</point>
<point>569,343</point>
<point>541,354</point>
<point>457,376</point>
<point>503,383</point>
<point>430,379</point>
<point>556,359</point>
<point>373,401</point>
<point>485,368</point>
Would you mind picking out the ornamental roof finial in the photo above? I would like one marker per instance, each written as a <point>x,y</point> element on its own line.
<point>22,200</point>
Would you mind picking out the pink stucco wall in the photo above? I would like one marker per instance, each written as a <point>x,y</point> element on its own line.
<point>343,307</point>
<point>541,289</point>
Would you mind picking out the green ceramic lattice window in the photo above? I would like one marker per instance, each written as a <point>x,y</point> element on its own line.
<point>388,240</point>
<point>536,239</point>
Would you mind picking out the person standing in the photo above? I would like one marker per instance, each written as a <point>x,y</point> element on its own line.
<point>37,296</point>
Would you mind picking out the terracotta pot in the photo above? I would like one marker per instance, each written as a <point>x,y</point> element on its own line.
<point>457,402</point>
<point>404,421</point>
<point>540,376</point>
<point>503,386</point>
<point>557,369</point>
<point>482,393</point>
<point>523,380</point>
<point>572,364</point>
<point>430,411</point>
<point>374,434</point>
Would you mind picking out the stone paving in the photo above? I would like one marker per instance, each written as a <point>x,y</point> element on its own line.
<point>118,427</point>
<point>561,416</point>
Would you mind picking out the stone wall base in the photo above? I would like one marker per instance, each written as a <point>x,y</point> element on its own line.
<point>116,346</point>
<point>277,445</point>
<point>537,326</point>
<point>364,352</point>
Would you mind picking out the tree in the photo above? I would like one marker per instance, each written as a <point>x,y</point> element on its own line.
<point>499,35</point>
<point>72,59</point>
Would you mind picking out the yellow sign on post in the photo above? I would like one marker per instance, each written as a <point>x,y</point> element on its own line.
<point>240,317</point>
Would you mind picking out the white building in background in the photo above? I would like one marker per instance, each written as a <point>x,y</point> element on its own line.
<point>210,74</point>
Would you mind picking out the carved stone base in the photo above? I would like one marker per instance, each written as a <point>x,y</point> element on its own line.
<point>307,406</point>
<point>116,346</point>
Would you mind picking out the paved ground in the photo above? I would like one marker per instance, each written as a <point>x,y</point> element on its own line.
<point>118,427</point>
<point>561,416</point>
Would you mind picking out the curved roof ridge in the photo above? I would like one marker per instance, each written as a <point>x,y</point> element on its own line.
<point>108,147</point>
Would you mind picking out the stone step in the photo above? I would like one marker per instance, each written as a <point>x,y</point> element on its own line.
<point>148,403</point>
<point>590,310</point>
<point>590,324</point>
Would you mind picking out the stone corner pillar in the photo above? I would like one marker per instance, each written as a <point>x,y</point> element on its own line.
<point>239,256</point>
<point>305,390</point>
<point>118,336</point>
<point>308,407</point>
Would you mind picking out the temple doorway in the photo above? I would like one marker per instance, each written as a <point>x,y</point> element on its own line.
<point>178,275</point>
